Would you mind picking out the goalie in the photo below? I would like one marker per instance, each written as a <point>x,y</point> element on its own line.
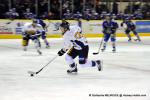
<point>31,31</point>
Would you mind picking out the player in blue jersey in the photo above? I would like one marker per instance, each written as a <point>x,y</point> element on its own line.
<point>43,35</point>
<point>130,27</point>
<point>109,30</point>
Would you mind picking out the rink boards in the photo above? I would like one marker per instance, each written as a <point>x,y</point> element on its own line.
<point>92,28</point>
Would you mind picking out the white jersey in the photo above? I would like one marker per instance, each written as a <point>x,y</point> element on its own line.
<point>74,38</point>
<point>30,27</point>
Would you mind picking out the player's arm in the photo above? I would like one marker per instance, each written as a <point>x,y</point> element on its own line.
<point>121,24</point>
<point>132,26</point>
<point>24,34</point>
<point>61,52</point>
<point>40,30</point>
<point>114,28</point>
<point>66,46</point>
<point>29,32</point>
<point>44,24</point>
<point>32,34</point>
<point>104,26</point>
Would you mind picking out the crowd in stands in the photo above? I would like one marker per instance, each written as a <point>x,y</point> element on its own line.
<point>26,9</point>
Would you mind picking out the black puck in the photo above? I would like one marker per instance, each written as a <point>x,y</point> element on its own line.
<point>31,75</point>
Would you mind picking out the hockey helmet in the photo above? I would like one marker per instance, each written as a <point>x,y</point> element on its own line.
<point>65,24</point>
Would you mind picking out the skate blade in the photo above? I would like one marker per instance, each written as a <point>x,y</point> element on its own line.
<point>73,73</point>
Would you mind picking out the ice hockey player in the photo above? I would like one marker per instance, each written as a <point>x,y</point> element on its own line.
<point>75,44</point>
<point>109,31</point>
<point>31,31</point>
<point>43,34</point>
<point>130,27</point>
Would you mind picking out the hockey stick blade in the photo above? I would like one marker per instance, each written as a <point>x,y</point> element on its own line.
<point>31,72</point>
<point>95,53</point>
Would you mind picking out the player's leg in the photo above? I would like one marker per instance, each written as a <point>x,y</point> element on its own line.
<point>39,42</point>
<point>36,42</point>
<point>44,39</point>
<point>136,34</point>
<point>113,40</point>
<point>84,62</point>
<point>72,53</point>
<point>106,38</point>
<point>25,41</point>
<point>128,34</point>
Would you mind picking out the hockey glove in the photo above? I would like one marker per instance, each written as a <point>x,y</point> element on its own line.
<point>61,52</point>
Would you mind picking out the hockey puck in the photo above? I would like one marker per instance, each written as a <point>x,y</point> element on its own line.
<point>95,53</point>
<point>31,75</point>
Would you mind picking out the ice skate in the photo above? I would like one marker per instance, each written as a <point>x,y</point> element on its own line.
<point>114,50</point>
<point>73,69</point>
<point>99,65</point>
<point>137,40</point>
<point>47,46</point>
<point>24,49</point>
<point>39,52</point>
<point>129,40</point>
<point>103,49</point>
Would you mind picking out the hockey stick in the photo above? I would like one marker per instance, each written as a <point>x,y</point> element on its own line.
<point>9,22</point>
<point>33,73</point>
<point>49,22</point>
<point>95,53</point>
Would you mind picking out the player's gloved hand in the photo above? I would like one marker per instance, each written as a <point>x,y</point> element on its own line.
<point>61,52</point>
<point>121,24</point>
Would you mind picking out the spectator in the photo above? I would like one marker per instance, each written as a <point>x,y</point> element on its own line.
<point>103,14</point>
<point>138,14</point>
<point>136,5</point>
<point>94,15</point>
<point>87,14</point>
<point>3,8</point>
<point>146,10</point>
<point>120,15</point>
<point>67,15</point>
<point>26,9</point>
<point>115,8</point>
<point>77,15</point>
<point>28,14</point>
<point>55,8</point>
<point>12,14</point>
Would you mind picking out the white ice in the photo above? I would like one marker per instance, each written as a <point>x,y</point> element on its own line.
<point>124,72</point>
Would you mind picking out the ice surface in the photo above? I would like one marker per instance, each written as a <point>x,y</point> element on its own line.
<point>124,72</point>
